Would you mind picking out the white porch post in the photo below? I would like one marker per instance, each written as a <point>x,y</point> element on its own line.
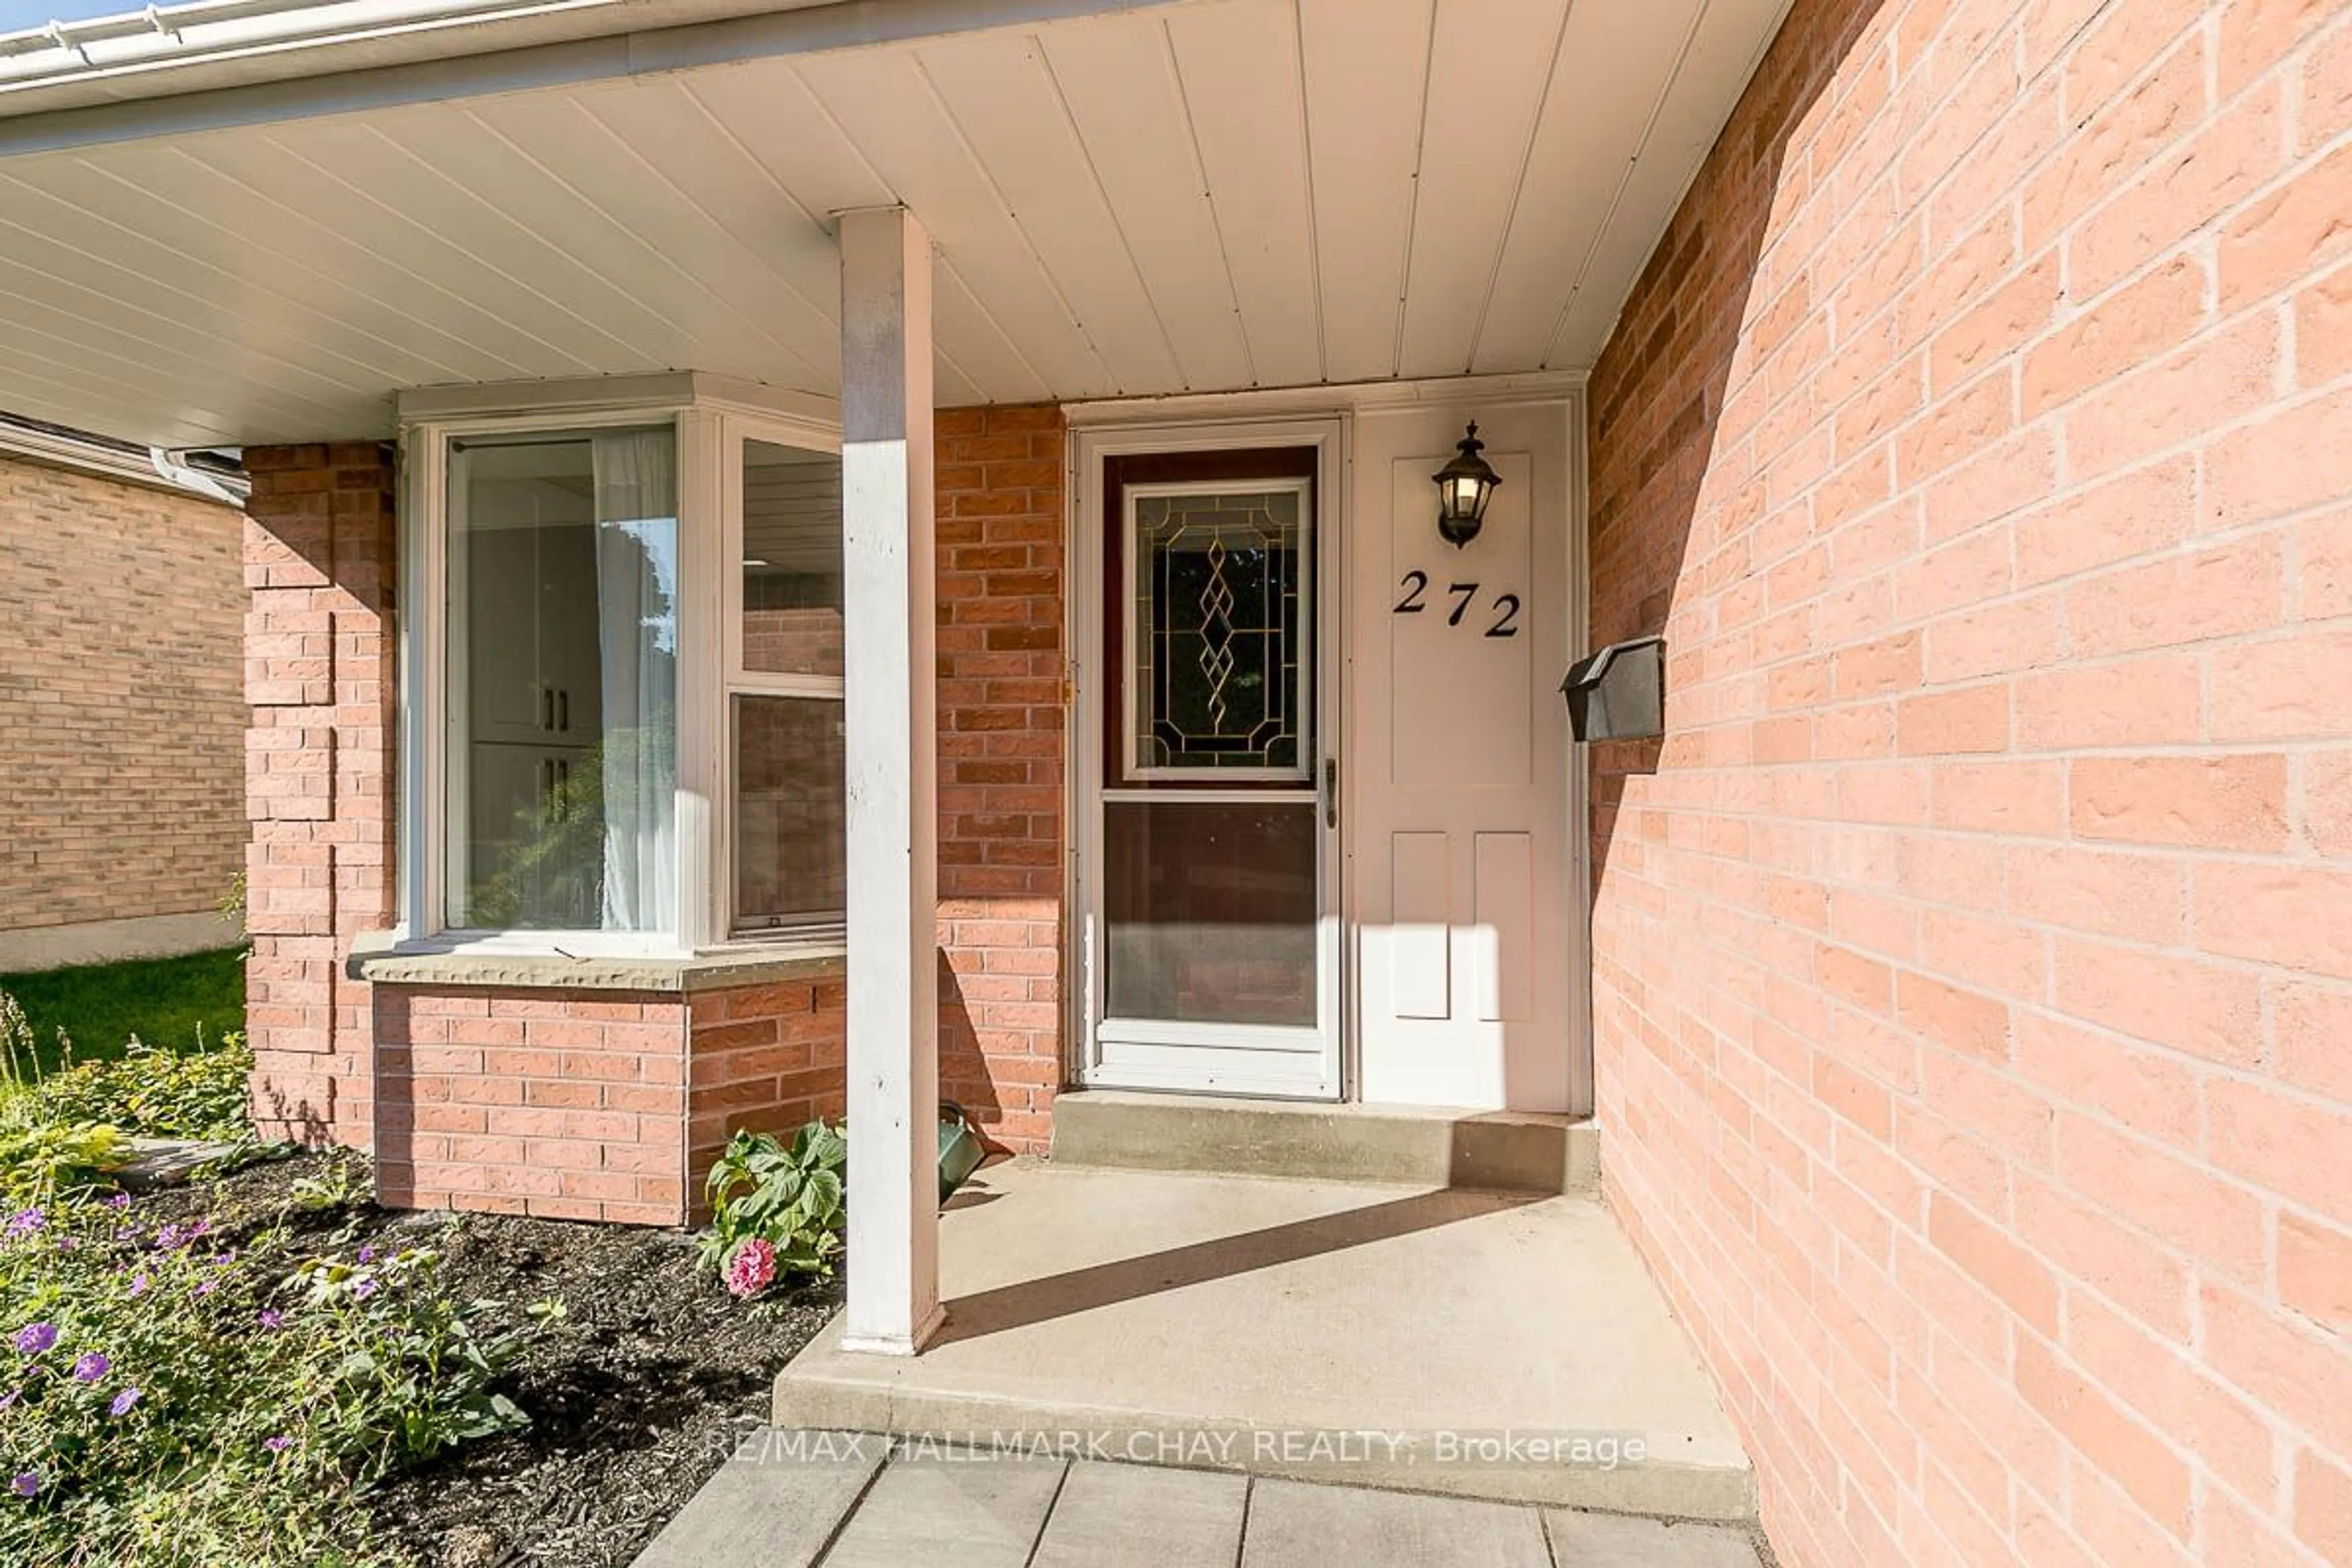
<point>893,747</point>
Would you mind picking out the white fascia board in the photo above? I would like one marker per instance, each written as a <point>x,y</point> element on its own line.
<point>1532,387</point>
<point>468,57</point>
<point>666,391</point>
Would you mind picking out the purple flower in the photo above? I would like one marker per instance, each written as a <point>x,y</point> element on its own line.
<point>367,1255</point>
<point>118,1201</point>
<point>223,1259</point>
<point>10,1397</point>
<point>362,1288</point>
<point>124,1401</point>
<point>271,1318</point>
<point>34,1338</point>
<point>27,1483</point>
<point>207,1287</point>
<point>27,1221</point>
<point>173,1237</point>
<point>278,1444</point>
<point>138,1285</point>
<point>90,1366</point>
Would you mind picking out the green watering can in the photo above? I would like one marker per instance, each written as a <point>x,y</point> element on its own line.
<point>959,1150</point>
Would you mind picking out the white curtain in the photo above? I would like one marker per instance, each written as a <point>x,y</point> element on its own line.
<point>637,624</point>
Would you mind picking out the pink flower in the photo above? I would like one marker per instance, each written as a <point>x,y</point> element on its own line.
<point>750,1268</point>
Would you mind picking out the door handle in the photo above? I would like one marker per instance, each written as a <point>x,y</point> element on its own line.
<point>1330,791</point>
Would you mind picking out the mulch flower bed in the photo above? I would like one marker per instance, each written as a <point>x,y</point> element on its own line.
<point>636,1394</point>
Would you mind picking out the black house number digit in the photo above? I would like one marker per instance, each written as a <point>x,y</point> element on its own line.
<point>1415,585</point>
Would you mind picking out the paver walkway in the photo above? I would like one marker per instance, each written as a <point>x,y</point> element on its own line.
<point>830,1500</point>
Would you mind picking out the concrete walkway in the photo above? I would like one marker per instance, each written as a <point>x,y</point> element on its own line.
<point>800,1498</point>
<point>1503,1347</point>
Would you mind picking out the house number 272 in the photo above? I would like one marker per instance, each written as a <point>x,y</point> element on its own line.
<point>1415,585</point>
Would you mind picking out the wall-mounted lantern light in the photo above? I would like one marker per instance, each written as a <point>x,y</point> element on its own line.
<point>1465,486</point>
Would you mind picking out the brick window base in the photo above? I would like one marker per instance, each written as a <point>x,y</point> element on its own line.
<point>594,1105</point>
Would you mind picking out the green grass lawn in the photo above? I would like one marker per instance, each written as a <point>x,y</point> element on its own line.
<point>164,1001</point>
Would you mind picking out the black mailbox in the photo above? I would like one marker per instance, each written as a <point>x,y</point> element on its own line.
<point>1619,694</point>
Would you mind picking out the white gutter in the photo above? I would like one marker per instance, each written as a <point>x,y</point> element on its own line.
<point>216,30</point>
<point>171,465</point>
<point>567,42</point>
<point>153,466</point>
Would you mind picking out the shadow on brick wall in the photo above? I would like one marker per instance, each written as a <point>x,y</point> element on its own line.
<point>1655,400</point>
<point>964,1071</point>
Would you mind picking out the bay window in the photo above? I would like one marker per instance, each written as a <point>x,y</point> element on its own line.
<point>623,700</point>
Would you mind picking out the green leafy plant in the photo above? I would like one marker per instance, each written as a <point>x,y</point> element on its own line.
<point>188,1396</point>
<point>341,1184</point>
<point>154,1092</point>
<point>788,1197</point>
<point>46,1152</point>
<point>417,1368</point>
<point>43,1160</point>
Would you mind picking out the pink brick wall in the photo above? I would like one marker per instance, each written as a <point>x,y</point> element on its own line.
<point>122,723</point>
<point>565,1104</point>
<point>769,1058</point>
<point>1973,991</point>
<point>320,646</point>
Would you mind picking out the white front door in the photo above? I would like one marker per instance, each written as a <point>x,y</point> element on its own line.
<point>1467,919</point>
<point>1210,931</point>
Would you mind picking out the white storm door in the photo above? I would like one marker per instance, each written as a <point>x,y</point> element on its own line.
<point>1212,936</point>
<point>1458,805</point>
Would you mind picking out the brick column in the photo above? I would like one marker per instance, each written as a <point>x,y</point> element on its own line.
<point>1002,746</point>
<point>319,645</point>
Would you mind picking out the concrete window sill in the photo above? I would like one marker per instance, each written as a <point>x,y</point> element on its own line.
<point>383,960</point>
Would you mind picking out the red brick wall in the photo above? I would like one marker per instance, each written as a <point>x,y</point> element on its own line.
<point>804,641</point>
<point>768,1058</point>
<point>565,1104</point>
<point>121,724</point>
<point>1973,993</point>
<point>1001,752</point>
<point>574,1104</point>
<point>320,647</point>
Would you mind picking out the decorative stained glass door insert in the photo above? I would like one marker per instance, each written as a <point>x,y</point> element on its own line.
<point>1212,966</point>
<point>1218,585</point>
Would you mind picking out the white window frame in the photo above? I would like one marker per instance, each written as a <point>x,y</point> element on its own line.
<point>711,415</point>
<point>736,430</point>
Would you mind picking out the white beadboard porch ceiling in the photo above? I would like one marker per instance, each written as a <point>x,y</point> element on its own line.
<point>1209,196</point>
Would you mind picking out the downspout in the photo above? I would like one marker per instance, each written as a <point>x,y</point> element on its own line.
<point>171,465</point>
<point>170,468</point>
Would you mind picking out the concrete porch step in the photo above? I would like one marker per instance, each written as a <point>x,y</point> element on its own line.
<point>1500,1346</point>
<point>1495,1151</point>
